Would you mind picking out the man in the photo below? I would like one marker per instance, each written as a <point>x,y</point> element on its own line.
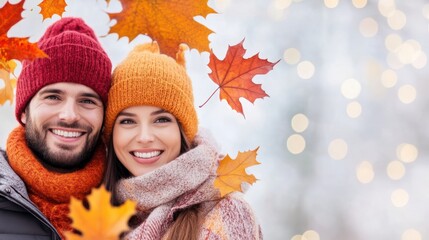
<point>56,153</point>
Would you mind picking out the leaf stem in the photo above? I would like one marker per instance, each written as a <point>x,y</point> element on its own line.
<point>202,105</point>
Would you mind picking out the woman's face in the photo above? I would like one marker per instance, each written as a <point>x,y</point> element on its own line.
<point>145,138</point>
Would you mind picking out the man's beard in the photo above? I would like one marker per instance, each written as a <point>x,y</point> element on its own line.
<point>36,141</point>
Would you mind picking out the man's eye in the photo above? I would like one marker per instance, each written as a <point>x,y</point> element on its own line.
<point>88,101</point>
<point>52,97</point>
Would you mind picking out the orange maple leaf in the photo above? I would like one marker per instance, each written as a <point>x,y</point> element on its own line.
<point>6,93</point>
<point>167,22</point>
<point>234,76</point>
<point>10,15</point>
<point>19,49</point>
<point>101,220</point>
<point>232,173</point>
<point>51,7</point>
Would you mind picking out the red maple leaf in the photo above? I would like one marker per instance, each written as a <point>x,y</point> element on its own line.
<point>234,76</point>
<point>10,15</point>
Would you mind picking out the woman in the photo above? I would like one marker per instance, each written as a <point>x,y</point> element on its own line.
<point>157,159</point>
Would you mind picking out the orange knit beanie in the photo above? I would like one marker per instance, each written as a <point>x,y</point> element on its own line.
<point>147,77</point>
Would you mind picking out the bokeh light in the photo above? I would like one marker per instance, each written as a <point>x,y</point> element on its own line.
<point>354,109</point>
<point>407,153</point>
<point>365,172</point>
<point>297,237</point>
<point>310,235</point>
<point>395,170</point>
<point>296,144</point>
<point>299,122</point>
<point>351,88</point>
<point>305,69</point>
<point>389,78</point>
<point>359,3</point>
<point>386,7</point>
<point>368,27</point>
<point>420,60</point>
<point>411,234</point>
<point>399,197</point>
<point>392,42</point>
<point>331,3</point>
<point>292,56</point>
<point>407,93</point>
<point>397,20</point>
<point>337,149</point>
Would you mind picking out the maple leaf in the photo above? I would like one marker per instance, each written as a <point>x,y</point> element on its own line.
<point>19,49</point>
<point>10,15</point>
<point>51,7</point>
<point>101,220</point>
<point>167,22</point>
<point>6,93</point>
<point>234,76</point>
<point>231,173</point>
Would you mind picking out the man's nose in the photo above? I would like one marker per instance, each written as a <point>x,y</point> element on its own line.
<point>69,112</point>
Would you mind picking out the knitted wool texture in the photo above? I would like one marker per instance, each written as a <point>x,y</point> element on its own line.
<point>147,77</point>
<point>183,182</point>
<point>51,191</point>
<point>75,56</point>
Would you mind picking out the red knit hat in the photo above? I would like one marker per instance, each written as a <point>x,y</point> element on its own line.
<point>75,56</point>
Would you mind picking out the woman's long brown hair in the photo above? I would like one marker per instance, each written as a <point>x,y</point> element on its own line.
<point>186,224</point>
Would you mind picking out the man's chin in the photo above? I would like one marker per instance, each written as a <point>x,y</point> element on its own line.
<point>64,159</point>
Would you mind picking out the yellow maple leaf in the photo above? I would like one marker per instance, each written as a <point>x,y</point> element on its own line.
<point>232,173</point>
<point>101,220</point>
<point>6,93</point>
<point>170,23</point>
<point>51,7</point>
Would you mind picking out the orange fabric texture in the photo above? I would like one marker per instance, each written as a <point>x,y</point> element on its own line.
<point>51,191</point>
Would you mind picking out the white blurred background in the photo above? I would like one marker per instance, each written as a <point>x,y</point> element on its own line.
<point>343,140</point>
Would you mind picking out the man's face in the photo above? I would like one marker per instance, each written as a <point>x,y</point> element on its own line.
<point>63,123</point>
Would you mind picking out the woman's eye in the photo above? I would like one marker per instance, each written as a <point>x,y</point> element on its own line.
<point>163,120</point>
<point>126,121</point>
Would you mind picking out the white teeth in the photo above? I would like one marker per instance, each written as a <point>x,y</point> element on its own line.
<point>147,154</point>
<point>66,133</point>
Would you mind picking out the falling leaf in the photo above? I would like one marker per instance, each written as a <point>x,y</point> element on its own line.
<point>170,23</point>
<point>6,93</point>
<point>232,173</point>
<point>51,7</point>
<point>234,76</point>
<point>10,15</point>
<point>101,220</point>
<point>19,49</point>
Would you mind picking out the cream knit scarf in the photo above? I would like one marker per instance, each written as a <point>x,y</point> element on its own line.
<point>185,181</point>
<point>51,191</point>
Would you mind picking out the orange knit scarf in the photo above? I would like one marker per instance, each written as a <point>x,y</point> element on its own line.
<point>51,191</point>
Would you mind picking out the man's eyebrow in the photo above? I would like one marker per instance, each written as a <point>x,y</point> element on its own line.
<point>58,91</point>
<point>91,95</point>
<point>50,90</point>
